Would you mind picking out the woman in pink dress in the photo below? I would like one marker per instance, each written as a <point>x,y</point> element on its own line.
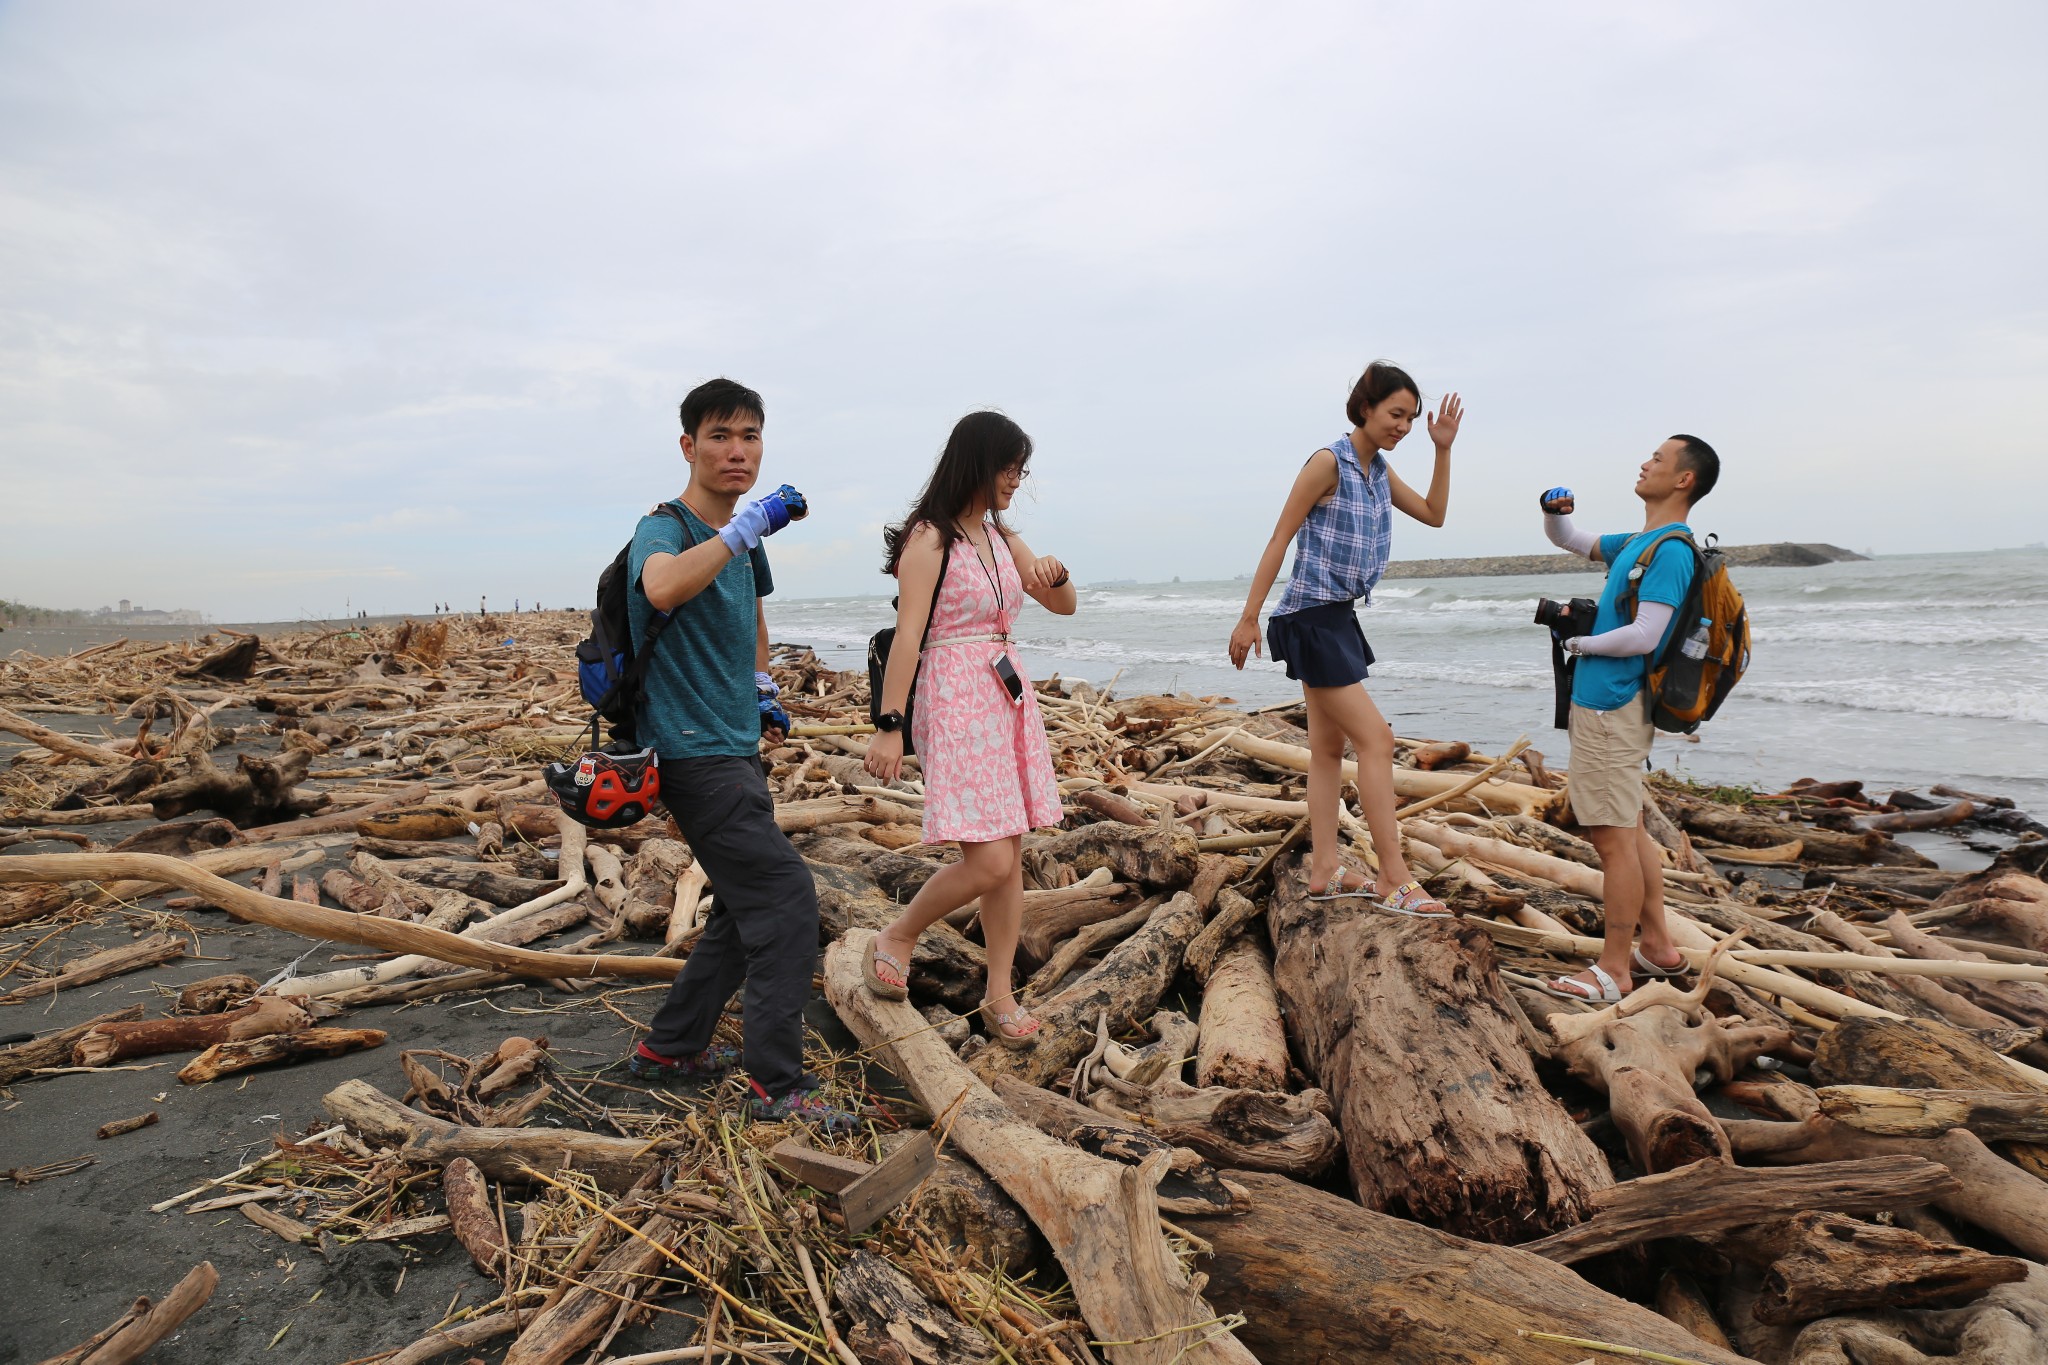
<point>962,576</point>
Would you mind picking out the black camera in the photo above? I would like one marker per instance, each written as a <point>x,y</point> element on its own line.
<point>1567,619</point>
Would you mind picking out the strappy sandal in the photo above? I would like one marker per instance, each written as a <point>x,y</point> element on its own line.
<point>899,989</point>
<point>1000,1022</point>
<point>1641,964</point>
<point>1570,988</point>
<point>1338,887</point>
<point>1410,899</point>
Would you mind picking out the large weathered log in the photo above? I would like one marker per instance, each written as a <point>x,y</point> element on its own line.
<point>974,1219</point>
<point>1448,1125</point>
<point>1710,1195</point>
<point>257,791</point>
<point>120,1041</point>
<point>1233,913</point>
<point>945,967</point>
<point>470,1215</point>
<point>1101,1219</point>
<point>481,880</point>
<point>335,925</point>
<point>2007,1325</point>
<point>1995,1116</point>
<point>1050,916</point>
<point>412,824</point>
<point>59,743</point>
<point>2021,1002</point>
<point>108,962</point>
<point>1732,826</point>
<point>501,1153</point>
<point>1994,1194</point>
<point>1323,1280</point>
<point>1125,986</point>
<point>54,1049</point>
<point>1820,1264</point>
<point>1150,857</point>
<point>271,1049</point>
<point>1243,1042</point>
<point>1644,1054</point>
<point>1948,1004</point>
<point>887,1302</point>
<point>1254,1129</point>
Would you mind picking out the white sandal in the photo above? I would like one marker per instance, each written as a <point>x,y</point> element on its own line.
<point>1567,988</point>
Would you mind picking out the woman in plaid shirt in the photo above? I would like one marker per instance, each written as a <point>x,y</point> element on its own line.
<point>1340,516</point>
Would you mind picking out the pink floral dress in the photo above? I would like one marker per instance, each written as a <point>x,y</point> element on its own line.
<point>987,767</point>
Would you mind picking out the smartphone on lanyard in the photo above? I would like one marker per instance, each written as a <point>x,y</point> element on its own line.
<point>1006,673</point>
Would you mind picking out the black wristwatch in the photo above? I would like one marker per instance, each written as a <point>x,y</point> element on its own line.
<point>889,722</point>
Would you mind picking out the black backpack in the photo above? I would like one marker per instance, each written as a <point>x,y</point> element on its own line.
<point>610,673</point>
<point>878,657</point>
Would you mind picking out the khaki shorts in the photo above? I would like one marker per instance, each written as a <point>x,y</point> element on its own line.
<point>1608,750</point>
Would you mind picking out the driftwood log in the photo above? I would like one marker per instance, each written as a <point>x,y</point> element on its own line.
<point>153,951</point>
<point>1191,1184</point>
<point>273,1049</point>
<point>1101,1218</point>
<point>136,1333</point>
<point>1995,1116</point>
<point>470,1216</point>
<point>888,1303</point>
<point>1821,1264</point>
<point>1243,1041</point>
<point>120,1040</point>
<point>1447,1125</point>
<point>54,1049</point>
<point>625,1274</point>
<point>501,1153</point>
<point>1323,1280</point>
<point>1147,857</point>
<point>1257,1130</point>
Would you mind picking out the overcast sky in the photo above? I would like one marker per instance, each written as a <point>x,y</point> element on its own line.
<point>387,304</point>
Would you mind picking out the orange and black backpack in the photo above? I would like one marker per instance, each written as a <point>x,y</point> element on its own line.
<point>1709,645</point>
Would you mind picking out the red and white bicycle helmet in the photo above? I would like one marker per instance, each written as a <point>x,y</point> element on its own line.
<point>607,788</point>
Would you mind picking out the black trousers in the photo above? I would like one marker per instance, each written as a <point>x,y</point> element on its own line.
<point>763,927</point>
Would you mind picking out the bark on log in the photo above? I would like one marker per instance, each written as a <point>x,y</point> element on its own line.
<point>1680,1299</point>
<point>945,967</point>
<point>1323,1280</point>
<point>471,1217</point>
<point>1995,1194</point>
<point>415,823</point>
<point>481,880</point>
<point>1125,986</point>
<point>1710,1195</point>
<point>1101,1219</point>
<point>1243,1042</point>
<point>136,1333</point>
<point>108,962</point>
<point>974,1219</point>
<point>54,1049</point>
<point>337,926</point>
<point>573,1321</point>
<point>1445,1125</point>
<point>1644,1056</point>
<point>1050,916</point>
<point>118,1042</point>
<point>1821,1264</point>
<point>259,790</point>
<point>1233,913</point>
<point>1110,806</point>
<point>1995,1116</point>
<point>1149,857</point>
<point>1070,954</point>
<point>354,894</point>
<point>225,1059</point>
<point>500,1153</point>
<point>884,1300</point>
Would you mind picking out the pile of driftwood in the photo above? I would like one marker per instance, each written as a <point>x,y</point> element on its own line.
<point>1256,1127</point>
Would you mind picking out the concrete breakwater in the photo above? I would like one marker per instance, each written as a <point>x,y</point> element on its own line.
<point>1779,554</point>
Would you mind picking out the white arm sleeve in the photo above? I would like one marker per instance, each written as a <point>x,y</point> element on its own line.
<point>1558,526</point>
<point>1639,636</point>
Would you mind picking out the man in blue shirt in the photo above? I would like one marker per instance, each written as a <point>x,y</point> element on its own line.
<point>703,712</point>
<point>1610,714</point>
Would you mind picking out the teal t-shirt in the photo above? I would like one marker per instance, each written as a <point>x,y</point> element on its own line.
<point>700,697</point>
<point>1605,684</point>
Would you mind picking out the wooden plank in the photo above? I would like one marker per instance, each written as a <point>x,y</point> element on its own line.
<point>888,1184</point>
<point>820,1170</point>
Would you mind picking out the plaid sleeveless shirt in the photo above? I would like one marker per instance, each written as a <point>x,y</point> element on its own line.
<point>1342,549</point>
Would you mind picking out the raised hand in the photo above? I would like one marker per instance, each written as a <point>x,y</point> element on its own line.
<point>762,517</point>
<point>1557,501</point>
<point>1244,641</point>
<point>1045,572</point>
<point>1443,423</point>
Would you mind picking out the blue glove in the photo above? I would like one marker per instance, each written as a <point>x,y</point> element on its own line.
<point>773,717</point>
<point>1553,495</point>
<point>762,517</point>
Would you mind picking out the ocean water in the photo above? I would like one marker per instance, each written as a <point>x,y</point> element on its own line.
<point>1902,671</point>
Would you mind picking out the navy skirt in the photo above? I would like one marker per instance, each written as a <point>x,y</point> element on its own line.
<point>1321,646</point>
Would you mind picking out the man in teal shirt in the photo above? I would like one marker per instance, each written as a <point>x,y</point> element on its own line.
<point>1610,713</point>
<point>707,701</point>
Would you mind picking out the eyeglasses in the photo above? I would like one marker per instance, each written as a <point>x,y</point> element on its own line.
<point>1015,473</point>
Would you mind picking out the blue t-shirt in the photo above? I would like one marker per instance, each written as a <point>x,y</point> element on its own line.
<point>700,697</point>
<point>1605,684</point>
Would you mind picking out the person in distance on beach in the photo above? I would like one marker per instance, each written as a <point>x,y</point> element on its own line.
<point>1610,713</point>
<point>703,714</point>
<point>961,576</point>
<point>1340,516</point>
